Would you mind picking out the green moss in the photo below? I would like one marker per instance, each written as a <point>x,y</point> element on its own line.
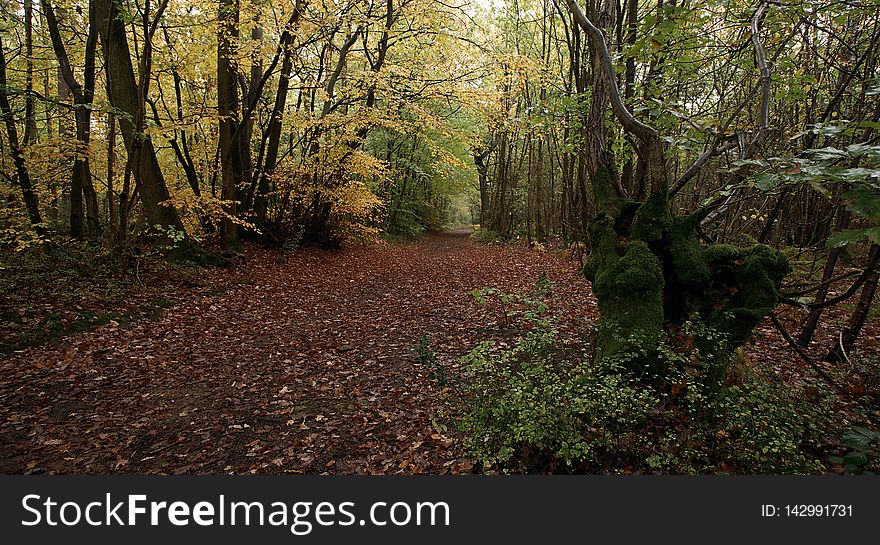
<point>652,220</point>
<point>603,242</point>
<point>687,254</point>
<point>603,188</point>
<point>745,287</point>
<point>630,293</point>
<point>624,213</point>
<point>651,273</point>
<point>721,253</point>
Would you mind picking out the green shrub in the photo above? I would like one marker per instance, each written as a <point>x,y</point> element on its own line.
<point>427,357</point>
<point>406,222</point>
<point>863,451</point>
<point>760,428</point>
<point>527,309</point>
<point>539,407</point>
<point>528,404</point>
<point>488,236</point>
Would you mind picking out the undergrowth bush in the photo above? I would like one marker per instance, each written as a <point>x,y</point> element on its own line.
<point>863,451</point>
<point>538,406</point>
<point>70,286</point>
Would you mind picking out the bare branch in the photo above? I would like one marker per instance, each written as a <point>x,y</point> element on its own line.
<point>651,149</point>
<point>632,125</point>
<point>698,165</point>
<point>804,356</point>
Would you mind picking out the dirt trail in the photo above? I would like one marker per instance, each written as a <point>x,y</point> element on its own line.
<point>304,367</point>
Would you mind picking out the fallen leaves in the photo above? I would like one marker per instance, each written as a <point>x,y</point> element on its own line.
<point>303,365</point>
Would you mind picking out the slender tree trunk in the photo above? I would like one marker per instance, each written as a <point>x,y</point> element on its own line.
<point>845,343</point>
<point>228,110</point>
<point>30,120</point>
<point>275,121</point>
<point>632,23</point>
<point>126,95</point>
<point>84,126</point>
<point>812,319</point>
<point>21,170</point>
<point>246,126</point>
<point>71,196</point>
<point>111,161</point>
<point>481,159</point>
<point>82,190</point>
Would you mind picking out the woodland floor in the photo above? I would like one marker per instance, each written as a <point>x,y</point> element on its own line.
<point>302,363</point>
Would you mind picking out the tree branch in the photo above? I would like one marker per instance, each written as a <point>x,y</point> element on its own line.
<point>804,356</point>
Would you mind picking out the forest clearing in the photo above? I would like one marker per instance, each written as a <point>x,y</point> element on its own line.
<point>431,237</point>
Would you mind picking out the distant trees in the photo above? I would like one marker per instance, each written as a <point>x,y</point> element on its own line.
<point>269,122</point>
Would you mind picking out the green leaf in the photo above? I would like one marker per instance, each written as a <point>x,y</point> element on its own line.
<point>826,153</point>
<point>859,149</point>
<point>766,181</point>
<point>856,458</point>
<point>851,236</point>
<point>863,201</point>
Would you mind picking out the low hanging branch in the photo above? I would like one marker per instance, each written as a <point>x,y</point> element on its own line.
<point>698,165</point>
<point>873,259</point>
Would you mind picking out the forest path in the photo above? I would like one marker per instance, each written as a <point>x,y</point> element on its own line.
<point>305,366</point>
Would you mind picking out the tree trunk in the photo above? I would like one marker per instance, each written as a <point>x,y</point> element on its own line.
<point>111,160</point>
<point>82,190</point>
<point>317,229</point>
<point>481,157</point>
<point>125,95</point>
<point>812,319</point>
<point>649,270</point>
<point>21,170</point>
<point>228,110</point>
<point>844,345</point>
<point>274,129</point>
<point>30,120</point>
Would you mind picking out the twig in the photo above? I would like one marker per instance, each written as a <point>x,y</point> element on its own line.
<point>806,357</point>
<point>137,274</point>
<point>842,348</point>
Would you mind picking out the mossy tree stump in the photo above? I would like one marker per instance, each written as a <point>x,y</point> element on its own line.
<point>651,274</point>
